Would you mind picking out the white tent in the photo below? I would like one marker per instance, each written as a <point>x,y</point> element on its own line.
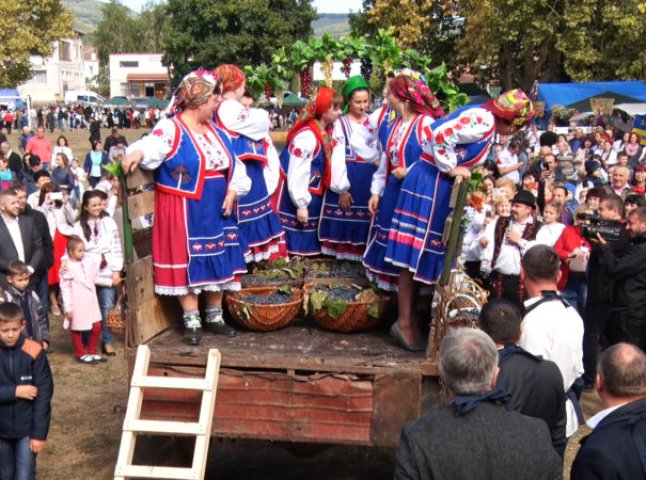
<point>632,109</point>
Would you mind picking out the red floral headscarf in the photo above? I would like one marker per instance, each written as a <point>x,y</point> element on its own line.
<point>320,103</point>
<point>409,85</point>
<point>513,106</point>
<point>194,90</point>
<point>232,77</point>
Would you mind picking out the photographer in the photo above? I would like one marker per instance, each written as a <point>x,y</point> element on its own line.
<point>627,322</point>
<point>600,286</point>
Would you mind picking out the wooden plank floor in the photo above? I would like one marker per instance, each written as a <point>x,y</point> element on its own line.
<point>301,346</point>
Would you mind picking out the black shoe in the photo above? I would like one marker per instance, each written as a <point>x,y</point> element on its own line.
<point>220,328</point>
<point>397,335</point>
<point>192,336</point>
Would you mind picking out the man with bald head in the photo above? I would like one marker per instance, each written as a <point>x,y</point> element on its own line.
<point>616,448</point>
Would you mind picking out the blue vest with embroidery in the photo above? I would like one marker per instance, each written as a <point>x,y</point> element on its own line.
<point>385,126</point>
<point>183,171</point>
<point>412,148</point>
<point>316,169</point>
<point>465,152</point>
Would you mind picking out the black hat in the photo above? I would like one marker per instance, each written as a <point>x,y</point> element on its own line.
<point>525,197</point>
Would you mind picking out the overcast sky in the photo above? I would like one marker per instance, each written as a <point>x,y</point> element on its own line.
<point>322,6</point>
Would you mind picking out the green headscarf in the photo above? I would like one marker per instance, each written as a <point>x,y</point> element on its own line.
<point>354,83</point>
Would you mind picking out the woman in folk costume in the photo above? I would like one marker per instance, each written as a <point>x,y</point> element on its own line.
<point>417,108</point>
<point>309,170</point>
<point>459,142</point>
<point>196,246</point>
<point>345,219</point>
<point>248,127</point>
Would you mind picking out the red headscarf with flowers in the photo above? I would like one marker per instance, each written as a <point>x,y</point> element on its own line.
<point>410,86</point>
<point>514,106</point>
<point>320,103</point>
<point>232,77</point>
<point>194,90</point>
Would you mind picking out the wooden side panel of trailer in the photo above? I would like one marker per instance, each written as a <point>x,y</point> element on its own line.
<point>284,406</point>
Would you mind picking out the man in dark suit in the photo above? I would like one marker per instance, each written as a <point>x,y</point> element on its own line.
<point>39,278</point>
<point>475,436</point>
<point>616,448</point>
<point>535,384</point>
<point>19,240</point>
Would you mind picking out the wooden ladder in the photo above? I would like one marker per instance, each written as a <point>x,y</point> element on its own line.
<point>133,425</point>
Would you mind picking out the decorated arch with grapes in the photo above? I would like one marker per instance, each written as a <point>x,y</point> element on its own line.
<point>379,55</point>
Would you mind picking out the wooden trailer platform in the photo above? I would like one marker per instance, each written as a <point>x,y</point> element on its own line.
<point>298,384</point>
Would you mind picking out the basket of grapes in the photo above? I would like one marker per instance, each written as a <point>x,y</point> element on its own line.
<point>277,273</point>
<point>329,269</point>
<point>344,306</point>
<point>264,309</point>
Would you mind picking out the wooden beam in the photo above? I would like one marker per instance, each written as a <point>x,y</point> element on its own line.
<point>141,204</point>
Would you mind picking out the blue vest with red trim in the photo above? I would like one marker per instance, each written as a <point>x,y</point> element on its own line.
<point>466,152</point>
<point>316,170</point>
<point>182,173</point>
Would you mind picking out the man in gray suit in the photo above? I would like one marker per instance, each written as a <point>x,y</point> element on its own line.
<point>19,240</point>
<point>475,436</point>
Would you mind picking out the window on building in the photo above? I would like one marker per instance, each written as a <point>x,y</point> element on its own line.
<point>40,76</point>
<point>129,64</point>
<point>64,51</point>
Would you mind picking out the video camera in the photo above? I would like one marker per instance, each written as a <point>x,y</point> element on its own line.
<point>607,229</point>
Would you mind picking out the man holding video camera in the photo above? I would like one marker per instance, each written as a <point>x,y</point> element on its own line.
<point>627,322</point>
<point>600,285</point>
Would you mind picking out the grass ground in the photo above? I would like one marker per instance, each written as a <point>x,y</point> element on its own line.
<point>89,407</point>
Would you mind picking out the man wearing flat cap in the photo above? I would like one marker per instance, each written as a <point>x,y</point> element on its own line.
<point>512,237</point>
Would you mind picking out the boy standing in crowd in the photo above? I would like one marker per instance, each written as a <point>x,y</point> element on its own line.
<point>26,389</point>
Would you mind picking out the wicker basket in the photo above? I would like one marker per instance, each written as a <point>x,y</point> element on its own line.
<point>263,318</point>
<point>355,316</point>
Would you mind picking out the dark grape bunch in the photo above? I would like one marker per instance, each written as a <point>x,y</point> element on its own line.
<point>339,292</point>
<point>306,82</point>
<point>267,91</point>
<point>344,270</point>
<point>249,280</point>
<point>347,65</point>
<point>273,299</point>
<point>366,68</point>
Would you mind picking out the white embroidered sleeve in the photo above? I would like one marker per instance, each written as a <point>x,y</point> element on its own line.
<point>272,170</point>
<point>240,181</point>
<point>155,146</point>
<point>250,122</point>
<point>379,177</point>
<point>301,151</point>
<point>115,255</point>
<point>470,126</point>
<point>339,182</point>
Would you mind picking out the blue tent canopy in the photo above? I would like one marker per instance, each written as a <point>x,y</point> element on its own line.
<point>11,97</point>
<point>566,94</point>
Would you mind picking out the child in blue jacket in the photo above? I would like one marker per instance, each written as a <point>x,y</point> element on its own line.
<point>26,389</point>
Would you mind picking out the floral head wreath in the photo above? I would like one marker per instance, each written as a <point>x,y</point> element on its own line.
<point>194,90</point>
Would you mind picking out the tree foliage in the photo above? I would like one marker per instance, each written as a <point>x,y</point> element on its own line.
<point>428,26</point>
<point>517,42</point>
<point>28,28</point>
<point>121,31</point>
<point>206,33</point>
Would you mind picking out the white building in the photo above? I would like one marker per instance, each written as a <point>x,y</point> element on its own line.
<point>54,75</point>
<point>91,67</point>
<point>138,75</point>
